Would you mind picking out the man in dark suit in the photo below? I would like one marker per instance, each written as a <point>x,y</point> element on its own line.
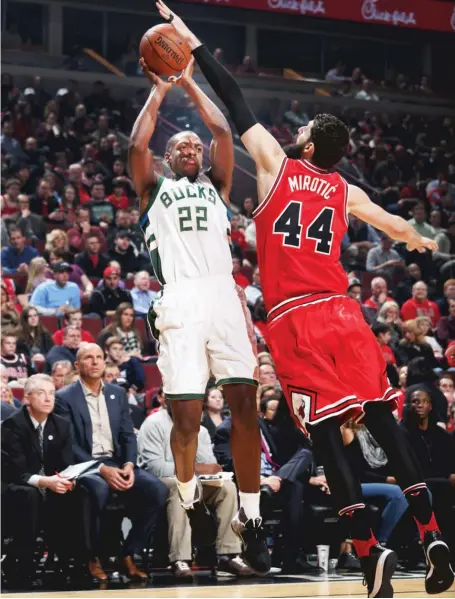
<point>285,476</point>
<point>102,429</point>
<point>35,445</point>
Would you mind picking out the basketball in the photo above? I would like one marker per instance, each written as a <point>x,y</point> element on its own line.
<point>163,51</point>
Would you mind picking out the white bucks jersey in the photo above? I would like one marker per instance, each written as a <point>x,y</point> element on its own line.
<point>186,228</point>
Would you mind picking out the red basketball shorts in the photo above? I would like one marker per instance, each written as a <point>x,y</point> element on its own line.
<point>327,359</point>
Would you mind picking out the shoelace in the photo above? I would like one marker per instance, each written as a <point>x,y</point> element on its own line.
<point>182,565</point>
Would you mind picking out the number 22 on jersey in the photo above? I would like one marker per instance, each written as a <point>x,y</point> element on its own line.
<point>289,226</point>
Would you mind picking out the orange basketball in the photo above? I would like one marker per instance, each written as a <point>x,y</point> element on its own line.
<point>163,51</point>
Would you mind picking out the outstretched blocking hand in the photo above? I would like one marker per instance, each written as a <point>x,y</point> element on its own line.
<point>421,244</point>
<point>154,79</point>
<point>177,23</point>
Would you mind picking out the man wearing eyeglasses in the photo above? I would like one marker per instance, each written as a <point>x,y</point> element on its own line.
<point>105,300</point>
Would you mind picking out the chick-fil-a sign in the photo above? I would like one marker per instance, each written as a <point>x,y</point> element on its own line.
<point>419,14</point>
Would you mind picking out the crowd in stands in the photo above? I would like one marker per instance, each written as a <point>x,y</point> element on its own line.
<point>75,292</point>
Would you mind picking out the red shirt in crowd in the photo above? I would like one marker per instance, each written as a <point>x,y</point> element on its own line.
<point>238,237</point>
<point>412,308</point>
<point>372,303</point>
<point>241,280</point>
<point>57,337</point>
<point>84,195</point>
<point>121,203</point>
<point>388,354</point>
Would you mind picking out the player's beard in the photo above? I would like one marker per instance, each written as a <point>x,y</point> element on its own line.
<point>294,151</point>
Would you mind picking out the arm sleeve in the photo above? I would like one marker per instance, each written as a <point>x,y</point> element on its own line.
<point>226,88</point>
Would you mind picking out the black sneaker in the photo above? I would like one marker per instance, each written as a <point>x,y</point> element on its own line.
<point>439,576</point>
<point>347,562</point>
<point>203,524</point>
<point>378,569</point>
<point>255,551</point>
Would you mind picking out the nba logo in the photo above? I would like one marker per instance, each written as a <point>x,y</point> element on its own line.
<point>301,407</point>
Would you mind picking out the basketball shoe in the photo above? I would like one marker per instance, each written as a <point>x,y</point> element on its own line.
<point>378,568</point>
<point>439,576</point>
<point>254,545</point>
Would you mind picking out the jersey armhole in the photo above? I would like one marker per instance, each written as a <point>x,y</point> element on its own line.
<point>272,190</point>
<point>346,189</point>
<point>153,193</point>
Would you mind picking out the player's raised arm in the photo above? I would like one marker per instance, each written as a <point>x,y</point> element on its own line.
<point>140,158</point>
<point>396,227</point>
<point>222,146</point>
<point>263,147</point>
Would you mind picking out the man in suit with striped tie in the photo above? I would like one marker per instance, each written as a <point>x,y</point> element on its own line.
<point>36,444</point>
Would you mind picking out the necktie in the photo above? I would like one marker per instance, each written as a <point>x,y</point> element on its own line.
<point>39,431</point>
<point>266,451</point>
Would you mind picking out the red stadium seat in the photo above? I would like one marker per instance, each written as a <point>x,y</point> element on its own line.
<point>149,396</point>
<point>18,392</point>
<point>94,281</point>
<point>152,376</point>
<point>39,245</point>
<point>51,323</point>
<point>155,285</point>
<point>248,272</point>
<point>92,325</point>
<point>19,279</point>
<point>129,283</point>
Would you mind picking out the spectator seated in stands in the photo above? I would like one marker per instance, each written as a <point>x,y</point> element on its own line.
<point>212,415</point>
<point>295,116</point>
<point>17,256</point>
<point>10,200</point>
<point>420,305</point>
<point>389,314</point>
<point>446,325</point>
<point>421,374</point>
<point>155,456</point>
<point>31,224</point>
<point>365,93</point>
<point>9,310</point>
<point>361,235</point>
<point>434,449</point>
<point>43,202</point>
<point>447,386</point>
<point>38,272</point>
<point>254,291</point>
<point>141,293</point>
<point>268,406</point>
<point>59,373</point>
<point>18,365</point>
<point>58,296</point>
<point>239,277</point>
<point>413,345</point>
<point>379,294</point>
<point>424,323</point>
<point>33,339</point>
<point>36,444</point>
<point>77,275</point>
<point>118,196</point>
<point>124,223</point>
<point>449,293</point>
<point>284,476</point>
<point>91,261</point>
<point>67,351</point>
<point>81,230</point>
<point>384,258</point>
<point>7,406</point>
<point>123,326</point>
<point>130,366</point>
<point>403,290</point>
<point>57,239</point>
<point>370,463</point>
<point>238,232</point>
<point>124,253</point>
<point>105,300</point>
<point>383,335</point>
<point>419,222</point>
<point>267,375</point>
<point>102,212</point>
<point>72,317</point>
<point>103,430</point>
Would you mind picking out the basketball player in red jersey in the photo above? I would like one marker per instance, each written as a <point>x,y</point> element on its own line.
<point>326,356</point>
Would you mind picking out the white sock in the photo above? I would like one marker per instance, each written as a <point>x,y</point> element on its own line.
<point>250,504</point>
<point>187,490</point>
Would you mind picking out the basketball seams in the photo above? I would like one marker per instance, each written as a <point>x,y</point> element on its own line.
<point>173,44</point>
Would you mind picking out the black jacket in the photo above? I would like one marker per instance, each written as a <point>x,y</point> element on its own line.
<point>105,298</point>
<point>433,448</point>
<point>21,456</point>
<point>128,261</point>
<point>83,260</point>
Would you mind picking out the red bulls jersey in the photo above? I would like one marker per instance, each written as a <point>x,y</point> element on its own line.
<point>299,228</point>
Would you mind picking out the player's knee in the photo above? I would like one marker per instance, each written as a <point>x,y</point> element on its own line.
<point>185,433</point>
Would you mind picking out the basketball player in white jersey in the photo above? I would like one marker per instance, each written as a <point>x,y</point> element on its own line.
<point>199,316</point>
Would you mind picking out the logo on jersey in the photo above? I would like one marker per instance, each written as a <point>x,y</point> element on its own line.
<point>315,184</point>
<point>370,12</point>
<point>301,407</point>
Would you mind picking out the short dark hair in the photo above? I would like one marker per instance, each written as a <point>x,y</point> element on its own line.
<point>379,328</point>
<point>330,137</point>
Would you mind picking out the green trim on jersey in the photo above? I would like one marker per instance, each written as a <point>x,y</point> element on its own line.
<point>153,193</point>
<point>151,239</point>
<point>238,380</point>
<point>185,396</point>
<point>151,319</point>
<point>156,263</point>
